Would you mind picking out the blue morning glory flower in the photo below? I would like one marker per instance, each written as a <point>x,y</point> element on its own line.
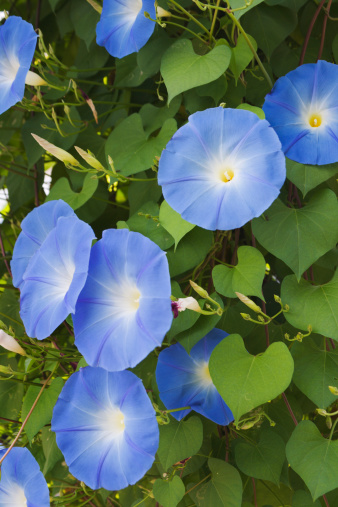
<point>184,380</point>
<point>123,28</point>
<point>124,310</point>
<point>22,484</point>
<point>17,46</point>
<point>223,168</point>
<point>56,272</point>
<point>302,108</point>
<point>35,228</point>
<point>106,428</point>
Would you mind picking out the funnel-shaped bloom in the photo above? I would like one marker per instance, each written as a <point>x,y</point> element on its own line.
<point>22,484</point>
<point>17,46</point>
<point>302,108</point>
<point>106,428</point>
<point>223,168</point>
<point>184,380</point>
<point>55,276</point>
<point>123,28</point>
<point>35,228</point>
<point>124,309</point>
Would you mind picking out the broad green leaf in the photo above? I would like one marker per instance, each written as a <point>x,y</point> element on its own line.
<point>316,368</point>
<point>263,459</point>
<point>190,252</point>
<point>314,458</point>
<point>314,305</point>
<point>149,57</point>
<point>179,440</point>
<point>61,190</point>
<point>51,451</point>
<point>246,277</point>
<point>182,69</point>
<point>84,19</point>
<point>303,498</point>
<point>270,495</point>
<point>245,381</point>
<point>224,488</point>
<point>174,223</point>
<point>307,177</point>
<point>42,413</point>
<point>169,493</point>
<point>9,311</point>
<point>299,236</point>
<point>254,109</point>
<point>142,148</point>
<point>270,26</point>
<point>11,394</point>
<point>149,227</point>
<point>243,6</point>
<point>154,117</point>
<point>241,55</point>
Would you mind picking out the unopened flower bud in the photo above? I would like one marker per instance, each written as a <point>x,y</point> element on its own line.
<point>334,390</point>
<point>245,316</point>
<point>188,304</point>
<point>328,422</point>
<point>34,79</point>
<point>9,343</point>
<point>248,425</point>
<point>201,292</point>
<point>58,153</point>
<point>322,412</point>
<point>162,13</point>
<point>277,298</point>
<point>90,159</point>
<point>248,302</point>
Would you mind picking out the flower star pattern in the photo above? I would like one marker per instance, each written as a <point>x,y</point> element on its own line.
<point>22,483</point>
<point>302,108</point>
<point>223,168</point>
<point>123,28</point>
<point>106,428</point>
<point>17,46</point>
<point>184,380</point>
<point>124,309</point>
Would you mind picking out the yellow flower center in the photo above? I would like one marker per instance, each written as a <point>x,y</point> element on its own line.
<point>315,120</point>
<point>226,175</point>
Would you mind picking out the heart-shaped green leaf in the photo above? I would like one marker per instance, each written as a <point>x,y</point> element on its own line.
<point>307,177</point>
<point>179,440</point>
<point>241,55</point>
<point>303,498</point>
<point>245,381</point>
<point>223,490</point>
<point>246,277</point>
<point>314,305</point>
<point>174,223</point>
<point>61,190</point>
<point>300,236</point>
<point>263,459</point>
<point>315,369</point>
<point>314,458</point>
<point>182,69</point>
<point>169,493</point>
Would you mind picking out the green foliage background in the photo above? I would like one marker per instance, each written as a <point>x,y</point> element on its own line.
<point>280,451</point>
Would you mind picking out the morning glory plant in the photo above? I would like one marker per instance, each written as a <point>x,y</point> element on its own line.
<point>50,266</point>
<point>124,309</point>
<point>123,28</point>
<point>106,428</point>
<point>223,168</point>
<point>184,380</point>
<point>22,483</point>
<point>17,46</point>
<point>302,108</point>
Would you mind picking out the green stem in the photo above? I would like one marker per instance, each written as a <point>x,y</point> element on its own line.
<point>186,29</point>
<point>332,429</point>
<point>252,49</point>
<point>214,20</point>
<point>190,16</point>
<point>175,410</point>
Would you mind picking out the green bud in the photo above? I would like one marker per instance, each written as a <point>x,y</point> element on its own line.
<point>248,302</point>
<point>90,159</point>
<point>58,153</point>
<point>334,390</point>
<point>328,422</point>
<point>322,412</point>
<point>201,292</point>
<point>277,299</point>
<point>245,316</point>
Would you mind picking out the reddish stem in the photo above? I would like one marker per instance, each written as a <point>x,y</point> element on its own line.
<point>266,326</point>
<point>289,409</point>
<point>4,256</point>
<point>322,39</point>
<point>254,491</point>
<point>233,258</point>
<point>326,501</point>
<point>307,37</point>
